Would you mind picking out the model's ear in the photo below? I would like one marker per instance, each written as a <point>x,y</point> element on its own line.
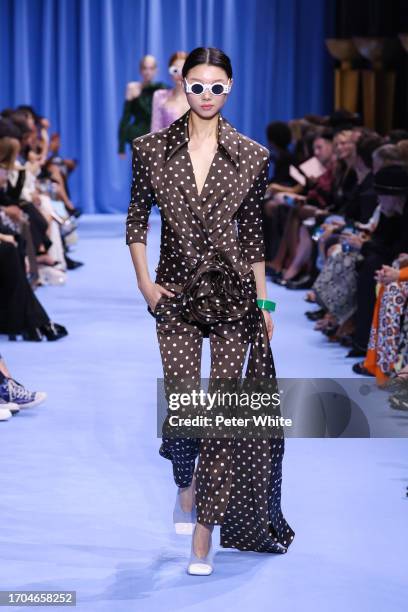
<point>231,83</point>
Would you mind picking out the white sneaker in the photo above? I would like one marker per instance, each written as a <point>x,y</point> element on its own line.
<point>14,392</point>
<point>39,398</point>
<point>5,414</point>
<point>12,406</point>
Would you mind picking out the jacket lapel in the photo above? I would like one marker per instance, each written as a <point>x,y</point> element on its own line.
<point>228,148</point>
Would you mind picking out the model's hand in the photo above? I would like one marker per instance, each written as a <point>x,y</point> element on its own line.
<point>152,293</point>
<point>269,323</point>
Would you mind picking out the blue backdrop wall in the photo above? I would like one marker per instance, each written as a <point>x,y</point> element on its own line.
<point>71,59</point>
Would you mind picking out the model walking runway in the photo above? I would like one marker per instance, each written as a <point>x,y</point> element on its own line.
<point>208,181</point>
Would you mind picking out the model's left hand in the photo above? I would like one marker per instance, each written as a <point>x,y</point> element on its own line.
<point>269,323</point>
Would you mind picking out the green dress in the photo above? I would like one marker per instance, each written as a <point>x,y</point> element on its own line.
<point>140,109</point>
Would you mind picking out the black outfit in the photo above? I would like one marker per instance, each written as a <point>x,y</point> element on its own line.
<point>345,181</point>
<point>359,206</point>
<point>20,310</point>
<point>388,241</point>
<point>274,223</point>
<point>38,224</point>
<point>282,161</point>
<point>362,201</point>
<point>136,115</point>
<point>208,243</point>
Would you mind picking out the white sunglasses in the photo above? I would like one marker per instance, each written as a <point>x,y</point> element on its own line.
<point>174,70</point>
<point>198,88</point>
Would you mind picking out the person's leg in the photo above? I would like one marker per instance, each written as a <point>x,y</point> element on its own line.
<point>30,250</point>
<point>181,361</point>
<point>274,222</point>
<point>56,250</point>
<point>213,477</point>
<point>302,255</point>
<point>38,226</point>
<point>4,371</point>
<point>366,298</point>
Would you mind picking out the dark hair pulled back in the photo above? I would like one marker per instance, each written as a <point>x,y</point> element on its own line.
<point>207,55</point>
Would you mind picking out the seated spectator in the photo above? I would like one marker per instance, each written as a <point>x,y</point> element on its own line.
<point>58,169</point>
<point>389,239</point>
<point>31,195</point>
<point>17,185</point>
<point>292,238</point>
<point>343,288</point>
<point>386,155</point>
<point>363,199</point>
<point>20,311</point>
<point>33,235</point>
<point>386,327</point>
<point>279,139</point>
<point>293,264</point>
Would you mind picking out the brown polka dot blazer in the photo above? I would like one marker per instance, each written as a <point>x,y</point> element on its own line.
<point>227,214</point>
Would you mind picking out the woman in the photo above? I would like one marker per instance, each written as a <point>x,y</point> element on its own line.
<point>137,108</point>
<point>336,285</point>
<point>208,181</point>
<point>293,263</point>
<point>386,327</point>
<point>11,195</point>
<point>169,104</point>
<point>388,240</point>
<point>295,244</point>
<point>20,311</point>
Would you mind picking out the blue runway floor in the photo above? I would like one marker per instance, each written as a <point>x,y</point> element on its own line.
<point>86,501</point>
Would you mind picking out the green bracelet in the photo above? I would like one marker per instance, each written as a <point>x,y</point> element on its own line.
<point>266,304</point>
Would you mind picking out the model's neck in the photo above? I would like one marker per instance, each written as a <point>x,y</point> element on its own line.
<point>202,129</point>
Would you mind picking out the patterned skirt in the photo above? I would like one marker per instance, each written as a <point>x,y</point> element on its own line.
<point>388,342</point>
<point>336,285</point>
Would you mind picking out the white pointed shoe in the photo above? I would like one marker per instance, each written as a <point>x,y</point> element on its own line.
<point>183,521</point>
<point>201,566</point>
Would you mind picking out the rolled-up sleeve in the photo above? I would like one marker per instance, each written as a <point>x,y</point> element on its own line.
<point>141,200</point>
<point>249,219</point>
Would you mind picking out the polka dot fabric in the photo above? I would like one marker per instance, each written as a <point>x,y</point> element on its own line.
<point>227,213</point>
<point>238,480</point>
